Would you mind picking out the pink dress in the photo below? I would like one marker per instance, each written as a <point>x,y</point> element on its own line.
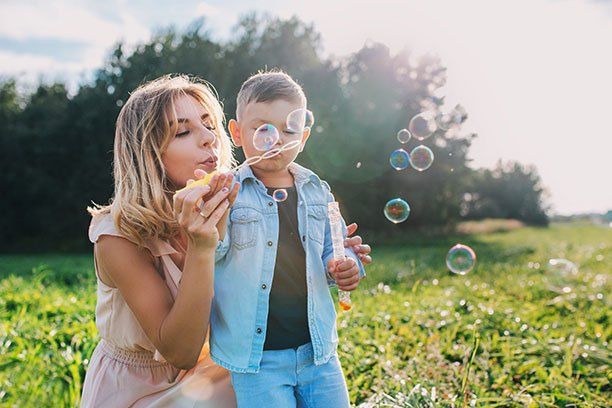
<point>125,369</point>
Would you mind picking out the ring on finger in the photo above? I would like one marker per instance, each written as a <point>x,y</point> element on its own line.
<point>201,208</point>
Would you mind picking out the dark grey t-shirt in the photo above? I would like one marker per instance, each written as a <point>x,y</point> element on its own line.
<point>287,314</point>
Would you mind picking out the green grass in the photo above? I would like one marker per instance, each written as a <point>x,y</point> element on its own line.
<point>509,333</point>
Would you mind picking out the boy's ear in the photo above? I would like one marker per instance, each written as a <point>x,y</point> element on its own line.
<point>305,136</point>
<point>234,130</point>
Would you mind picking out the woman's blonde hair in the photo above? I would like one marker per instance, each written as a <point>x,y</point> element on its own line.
<point>142,203</point>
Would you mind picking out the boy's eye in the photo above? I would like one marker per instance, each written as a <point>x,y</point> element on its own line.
<point>182,133</point>
<point>289,132</point>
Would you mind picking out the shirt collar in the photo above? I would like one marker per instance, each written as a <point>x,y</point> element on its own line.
<point>301,174</point>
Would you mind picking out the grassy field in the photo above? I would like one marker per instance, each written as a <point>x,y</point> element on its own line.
<point>510,333</point>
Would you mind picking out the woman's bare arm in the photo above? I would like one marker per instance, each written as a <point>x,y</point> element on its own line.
<point>169,324</point>
<point>177,328</point>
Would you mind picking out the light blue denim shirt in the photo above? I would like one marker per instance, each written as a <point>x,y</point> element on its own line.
<point>245,267</point>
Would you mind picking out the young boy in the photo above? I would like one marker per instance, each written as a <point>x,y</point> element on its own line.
<point>273,322</point>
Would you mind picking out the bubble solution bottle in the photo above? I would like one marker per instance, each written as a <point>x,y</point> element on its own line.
<point>335,223</point>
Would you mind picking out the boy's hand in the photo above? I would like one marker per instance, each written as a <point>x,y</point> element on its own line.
<point>360,249</point>
<point>345,273</point>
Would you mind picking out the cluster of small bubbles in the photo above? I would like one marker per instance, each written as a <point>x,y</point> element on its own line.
<point>421,158</point>
<point>422,125</point>
<point>461,259</point>
<point>279,195</point>
<point>399,159</point>
<point>404,136</point>
<point>265,137</point>
<point>397,210</point>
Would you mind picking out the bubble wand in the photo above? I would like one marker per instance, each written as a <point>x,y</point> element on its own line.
<point>265,137</point>
<point>335,224</point>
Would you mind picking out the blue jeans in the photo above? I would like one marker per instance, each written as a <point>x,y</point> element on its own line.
<point>289,378</point>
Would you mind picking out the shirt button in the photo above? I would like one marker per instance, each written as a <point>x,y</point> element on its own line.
<point>270,203</point>
<point>269,243</point>
<point>259,330</point>
<point>264,286</point>
<point>303,238</point>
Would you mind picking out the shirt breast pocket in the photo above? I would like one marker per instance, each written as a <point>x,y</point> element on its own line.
<point>317,216</point>
<point>245,222</point>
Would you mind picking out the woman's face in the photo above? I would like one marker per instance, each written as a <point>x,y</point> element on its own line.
<point>195,145</point>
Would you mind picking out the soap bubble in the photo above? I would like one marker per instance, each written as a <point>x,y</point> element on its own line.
<point>300,119</point>
<point>422,125</point>
<point>404,136</point>
<point>280,195</point>
<point>421,158</point>
<point>562,267</point>
<point>397,210</point>
<point>461,259</point>
<point>399,159</point>
<point>265,137</point>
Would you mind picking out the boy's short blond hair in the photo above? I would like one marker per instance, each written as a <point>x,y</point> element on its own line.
<point>268,86</point>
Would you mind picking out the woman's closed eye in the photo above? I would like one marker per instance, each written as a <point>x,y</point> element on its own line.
<point>206,125</point>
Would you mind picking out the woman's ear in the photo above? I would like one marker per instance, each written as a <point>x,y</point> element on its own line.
<point>234,130</point>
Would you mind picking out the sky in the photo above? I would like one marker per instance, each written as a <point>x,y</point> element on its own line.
<point>534,76</point>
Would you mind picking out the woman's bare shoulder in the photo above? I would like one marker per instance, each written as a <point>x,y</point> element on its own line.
<point>117,256</point>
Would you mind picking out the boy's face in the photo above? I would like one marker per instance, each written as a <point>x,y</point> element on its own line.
<point>275,113</point>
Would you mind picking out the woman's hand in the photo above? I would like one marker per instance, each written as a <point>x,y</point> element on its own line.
<point>217,183</point>
<point>361,250</point>
<point>199,222</point>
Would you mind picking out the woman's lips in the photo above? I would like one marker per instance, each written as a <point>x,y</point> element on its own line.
<point>211,161</point>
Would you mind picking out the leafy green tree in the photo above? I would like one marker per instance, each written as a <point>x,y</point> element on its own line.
<point>56,148</point>
<point>510,190</point>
